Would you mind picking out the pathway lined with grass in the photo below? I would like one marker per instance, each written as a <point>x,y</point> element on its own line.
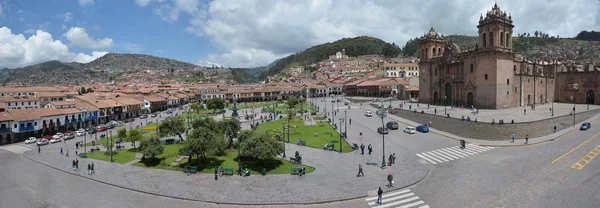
<point>315,136</point>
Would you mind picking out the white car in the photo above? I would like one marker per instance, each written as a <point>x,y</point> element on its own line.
<point>80,132</point>
<point>42,142</point>
<point>31,140</point>
<point>410,130</point>
<point>369,114</point>
<point>56,138</point>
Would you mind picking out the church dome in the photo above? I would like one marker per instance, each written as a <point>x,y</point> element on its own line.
<point>496,15</point>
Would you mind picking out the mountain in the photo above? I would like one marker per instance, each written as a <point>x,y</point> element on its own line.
<point>357,46</point>
<point>537,45</point>
<point>113,67</point>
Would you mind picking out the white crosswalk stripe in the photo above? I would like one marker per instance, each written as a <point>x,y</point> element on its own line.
<point>18,148</point>
<point>402,199</point>
<point>447,154</point>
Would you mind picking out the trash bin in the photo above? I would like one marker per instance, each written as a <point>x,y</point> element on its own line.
<point>263,171</point>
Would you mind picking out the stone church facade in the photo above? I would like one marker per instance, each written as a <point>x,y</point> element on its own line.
<point>489,76</point>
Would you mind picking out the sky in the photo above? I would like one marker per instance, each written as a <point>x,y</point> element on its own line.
<point>251,33</point>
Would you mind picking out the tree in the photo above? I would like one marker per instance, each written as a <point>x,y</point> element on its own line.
<point>82,90</point>
<point>172,126</point>
<point>134,136</point>
<point>292,101</point>
<point>151,146</point>
<point>196,108</point>
<point>535,34</point>
<point>122,133</point>
<point>108,145</point>
<point>261,146</point>
<point>230,128</point>
<point>203,142</point>
<point>89,90</point>
<point>206,122</point>
<point>215,104</point>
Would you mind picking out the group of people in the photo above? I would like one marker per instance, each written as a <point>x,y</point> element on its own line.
<point>392,159</point>
<point>362,149</point>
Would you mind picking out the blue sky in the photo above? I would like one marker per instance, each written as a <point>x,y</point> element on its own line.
<point>250,33</point>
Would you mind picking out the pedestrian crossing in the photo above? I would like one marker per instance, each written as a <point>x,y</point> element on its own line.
<point>18,148</point>
<point>399,199</point>
<point>448,154</point>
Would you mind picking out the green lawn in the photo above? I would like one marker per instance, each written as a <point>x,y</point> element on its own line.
<point>121,156</point>
<point>162,161</point>
<point>324,131</point>
<point>272,166</point>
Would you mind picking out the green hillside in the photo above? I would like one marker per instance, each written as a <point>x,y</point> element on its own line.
<point>354,47</point>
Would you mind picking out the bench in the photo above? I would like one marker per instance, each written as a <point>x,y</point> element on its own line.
<point>227,171</point>
<point>169,141</point>
<point>193,169</point>
<point>120,146</point>
<point>293,160</point>
<point>296,171</point>
<point>355,146</point>
<point>95,149</point>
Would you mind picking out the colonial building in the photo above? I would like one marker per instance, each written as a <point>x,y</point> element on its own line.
<point>488,76</point>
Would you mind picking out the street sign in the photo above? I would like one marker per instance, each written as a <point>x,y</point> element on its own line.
<point>382,113</point>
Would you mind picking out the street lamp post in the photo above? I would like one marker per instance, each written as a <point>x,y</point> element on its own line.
<point>382,114</point>
<point>85,143</point>
<point>575,87</point>
<point>110,146</point>
<point>340,134</point>
<point>587,100</point>
<point>445,103</point>
<point>553,107</point>
<point>283,137</point>
<point>239,155</point>
<point>346,123</point>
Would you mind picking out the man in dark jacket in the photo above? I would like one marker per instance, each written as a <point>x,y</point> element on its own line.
<point>379,196</point>
<point>390,180</point>
<point>362,149</point>
<point>360,171</point>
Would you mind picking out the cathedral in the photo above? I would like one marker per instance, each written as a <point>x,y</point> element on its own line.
<point>490,76</point>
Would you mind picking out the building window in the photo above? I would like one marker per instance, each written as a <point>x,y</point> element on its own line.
<point>492,39</point>
<point>15,126</point>
<point>501,39</point>
<point>507,92</point>
<point>507,81</point>
<point>516,89</point>
<point>542,81</point>
<point>486,77</point>
<point>515,69</point>
<point>35,123</point>
<point>471,68</point>
<point>484,40</point>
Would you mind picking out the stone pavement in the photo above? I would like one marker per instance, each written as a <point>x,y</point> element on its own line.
<point>494,135</point>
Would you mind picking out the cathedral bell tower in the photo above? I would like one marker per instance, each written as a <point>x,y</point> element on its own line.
<point>495,31</point>
<point>432,45</point>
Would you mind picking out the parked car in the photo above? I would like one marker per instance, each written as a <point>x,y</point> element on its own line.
<point>143,116</point>
<point>31,140</point>
<point>55,139</point>
<point>70,135</point>
<point>585,126</point>
<point>91,130</point>
<point>42,142</point>
<point>346,102</point>
<point>369,114</point>
<point>101,128</point>
<point>80,132</point>
<point>153,115</point>
<point>423,128</point>
<point>393,125</point>
<point>410,130</point>
<point>169,112</point>
<point>382,130</point>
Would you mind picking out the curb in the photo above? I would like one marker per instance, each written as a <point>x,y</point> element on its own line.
<point>214,202</point>
<point>492,145</point>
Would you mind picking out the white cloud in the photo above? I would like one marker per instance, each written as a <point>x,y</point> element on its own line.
<point>79,37</point>
<point>1,9</point>
<point>86,2</point>
<point>29,31</point>
<point>18,51</point>
<point>144,3</point>
<point>67,16</point>
<point>268,28</point>
<point>208,64</point>
<point>64,27</point>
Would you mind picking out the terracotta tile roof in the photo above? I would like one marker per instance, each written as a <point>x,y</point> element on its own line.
<point>153,98</point>
<point>85,106</point>
<point>29,89</point>
<point>62,103</point>
<point>50,94</point>
<point>7,99</point>
<point>2,105</point>
<point>5,116</point>
<point>412,89</point>
<point>173,98</point>
<point>128,101</point>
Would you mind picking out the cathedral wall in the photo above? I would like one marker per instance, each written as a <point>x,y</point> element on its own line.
<point>485,67</point>
<point>505,95</point>
<point>425,83</point>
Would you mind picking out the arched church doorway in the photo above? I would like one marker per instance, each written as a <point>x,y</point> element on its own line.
<point>448,94</point>
<point>436,99</point>
<point>469,99</point>
<point>590,97</point>
<point>528,99</point>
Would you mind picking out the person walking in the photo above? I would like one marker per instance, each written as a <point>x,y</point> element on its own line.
<point>76,163</point>
<point>360,171</point>
<point>61,151</point>
<point>67,154</point>
<point>554,129</point>
<point>350,121</point>
<point>93,171</point>
<point>89,170</point>
<point>39,149</point>
<point>526,139</point>
<point>394,158</point>
<point>513,137</point>
<point>390,160</point>
<point>370,149</point>
<point>380,196</point>
<point>390,179</point>
<point>362,149</point>
<point>73,164</point>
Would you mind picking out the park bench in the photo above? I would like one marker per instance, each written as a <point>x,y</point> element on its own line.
<point>169,141</point>
<point>193,169</point>
<point>293,160</point>
<point>355,146</point>
<point>95,149</point>
<point>120,146</point>
<point>296,171</point>
<point>227,171</point>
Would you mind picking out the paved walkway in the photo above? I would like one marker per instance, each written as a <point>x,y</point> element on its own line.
<point>496,141</point>
<point>334,178</point>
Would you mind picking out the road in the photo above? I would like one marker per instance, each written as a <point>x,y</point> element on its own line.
<point>543,175</point>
